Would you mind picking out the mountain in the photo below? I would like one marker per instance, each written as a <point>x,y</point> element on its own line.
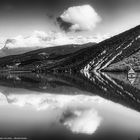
<point>30,60</point>
<point>40,39</point>
<point>124,65</point>
<point>82,67</point>
<point>104,56</point>
<point>23,45</point>
<point>105,85</point>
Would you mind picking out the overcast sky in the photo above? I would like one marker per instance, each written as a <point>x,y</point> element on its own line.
<point>25,16</point>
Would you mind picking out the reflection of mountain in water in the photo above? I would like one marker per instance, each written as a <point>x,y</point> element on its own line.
<point>107,85</point>
<point>124,77</point>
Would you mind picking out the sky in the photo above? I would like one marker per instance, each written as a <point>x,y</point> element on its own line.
<point>22,17</point>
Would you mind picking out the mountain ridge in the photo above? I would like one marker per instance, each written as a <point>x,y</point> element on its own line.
<point>93,57</point>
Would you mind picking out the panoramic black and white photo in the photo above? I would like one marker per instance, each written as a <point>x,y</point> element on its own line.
<point>70,69</point>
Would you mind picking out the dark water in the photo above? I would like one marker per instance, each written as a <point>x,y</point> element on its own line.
<point>97,106</point>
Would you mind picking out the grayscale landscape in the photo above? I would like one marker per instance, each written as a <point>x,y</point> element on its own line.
<point>70,70</point>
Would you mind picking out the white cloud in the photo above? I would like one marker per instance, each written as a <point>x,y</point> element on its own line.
<point>41,39</point>
<point>82,121</point>
<point>81,17</point>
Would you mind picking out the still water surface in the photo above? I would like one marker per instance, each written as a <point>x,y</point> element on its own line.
<point>99,107</point>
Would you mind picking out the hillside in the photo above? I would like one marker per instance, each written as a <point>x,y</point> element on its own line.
<point>107,55</point>
<point>124,65</point>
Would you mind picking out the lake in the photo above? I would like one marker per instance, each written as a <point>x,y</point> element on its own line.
<point>85,106</point>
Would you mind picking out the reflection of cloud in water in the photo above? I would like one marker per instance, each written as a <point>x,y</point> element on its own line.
<point>44,101</point>
<point>81,121</point>
<point>77,113</point>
